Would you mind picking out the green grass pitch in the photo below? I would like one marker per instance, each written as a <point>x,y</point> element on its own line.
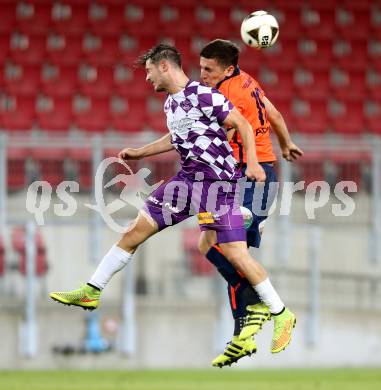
<point>343,379</point>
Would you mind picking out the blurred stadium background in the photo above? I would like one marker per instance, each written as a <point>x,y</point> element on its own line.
<point>69,96</point>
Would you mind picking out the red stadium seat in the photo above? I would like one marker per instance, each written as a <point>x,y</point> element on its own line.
<point>19,244</point>
<point>107,53</point>
<point>69,18</point>
<point>64,49</point>
<point>283,87</point>
<point>179,22</point>
<point>51,164</point>
<point>61,82</point>
<point>57,115</point>
<point>131,116</point>
<point>28,49</point>
<point>315,54</point>
<point>351,55</point>
<point>95,117</point>
<point>19,113</point>
<point>33,17</point>
<point>349,85</point>
<point>356,25</point>
<point>133,86</point>
<point>142,15</point>
<point>24,80</point>
<point>311,116</point>
<point>320,24</point>
<point>16,175</point>
<point>283,55</point>
<point>106,19</point>
<point>98,82</point>
<point>349,119</point>
<point>313,85</point>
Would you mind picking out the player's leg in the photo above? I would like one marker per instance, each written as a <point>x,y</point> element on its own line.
<point>236,349</point>
<point>114,261</point>
<point>241,294</point>
<point>284,321</point>
<point>255,312</point>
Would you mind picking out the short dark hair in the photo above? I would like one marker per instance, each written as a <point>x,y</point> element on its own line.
<point>226,53</point>
<point>162,51</point>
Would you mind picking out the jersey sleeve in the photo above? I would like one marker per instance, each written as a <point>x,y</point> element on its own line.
<point>214,104</point>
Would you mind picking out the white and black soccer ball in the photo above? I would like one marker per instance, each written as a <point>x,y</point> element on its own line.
<point>259,30</point>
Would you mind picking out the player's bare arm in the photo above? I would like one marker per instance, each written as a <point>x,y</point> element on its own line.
<point>290,151</point>
<point>254,170</point>
<point>162,145</point>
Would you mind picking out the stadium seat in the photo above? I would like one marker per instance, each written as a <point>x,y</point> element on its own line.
<point>69,18</point>
<point>348,85</point>
<point>280,56</point>
<point>33,17</point>
<point>23,80</point>
<point>50,162</point>
<point>315,53</point>
<point>106,19</point>
<point>19,244</point>
<point>107,53</point>
<point>312,84</point>
<point>60,81</point>
<point>97,81</point>
<point>27,49</point>
<point>319,23</point>
<point>351,55</point>
<point>197,263</point>
<point>19,113</point>
<point>56,115</point>
<point>16,174</point>
<point>93,116</point>
<point>128,114</point>
<point>349,118</point>
<point>64,49</point>
<point>310,116</point>
<point>354,24</point>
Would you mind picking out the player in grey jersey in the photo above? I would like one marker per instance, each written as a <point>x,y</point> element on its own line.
<point>195,116</point>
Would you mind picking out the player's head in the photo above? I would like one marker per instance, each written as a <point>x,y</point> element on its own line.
<point>159,62</point>
<point>218,59</point>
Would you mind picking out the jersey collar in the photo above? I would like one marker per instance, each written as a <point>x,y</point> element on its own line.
<point>236,72</point>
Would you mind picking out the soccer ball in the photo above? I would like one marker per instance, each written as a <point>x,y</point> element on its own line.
<point>259,30</point>
<point>247,217</point>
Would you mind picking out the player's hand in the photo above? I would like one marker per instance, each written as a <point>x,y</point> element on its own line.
<point>291,152</point>
<point>256,172</point>
<point>129,154</point>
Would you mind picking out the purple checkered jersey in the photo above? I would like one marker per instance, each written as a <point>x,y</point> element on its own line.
<point>194,118</point>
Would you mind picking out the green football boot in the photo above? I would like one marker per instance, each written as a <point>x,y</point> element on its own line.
<point>256,316</point>
<point>86,297</point>
<point>283,326</point>
<point>235,350</point>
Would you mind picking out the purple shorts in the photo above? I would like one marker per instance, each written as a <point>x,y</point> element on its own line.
<point>215,203</point>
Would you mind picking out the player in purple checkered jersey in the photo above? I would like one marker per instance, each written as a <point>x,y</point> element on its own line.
<point>205,186</point>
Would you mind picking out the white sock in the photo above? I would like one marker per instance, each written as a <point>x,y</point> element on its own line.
<point>269,296</point>
<point>114,261</point>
